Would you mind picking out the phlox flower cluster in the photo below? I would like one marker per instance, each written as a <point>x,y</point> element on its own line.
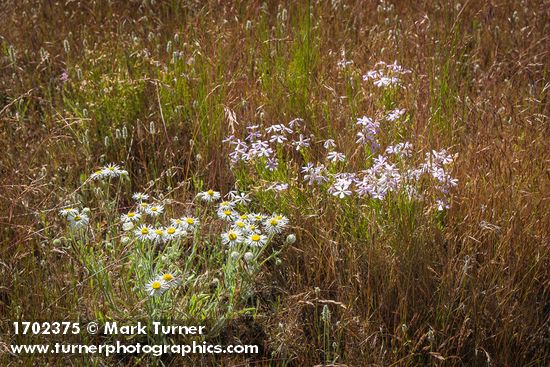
<point>262,143</point>
<point>391,170</point>
<point>386,75</point>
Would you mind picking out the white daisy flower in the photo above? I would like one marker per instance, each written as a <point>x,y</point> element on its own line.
<point>158,234</point>
<point>209,196</point>
<point>251,228</point>
<point>67,212</point>
<point>130,217</point>
<point>226,205</point>
<point>190,223</point>
<point>171,279</point>
<point>112,170</point>
<point>256,240</point>
<point>154,210</point>
<point>228,214</point>
<point>273,225</point>
<point>177,222</point>
<point>244,217</point>
<point>256,217</point>
<point>240,225</point>
<point>281,218</point>
<point>144,232</point>
<point>97,175</point>
<point>139,196</point>
<point>232,238</point>
<point>171,233</point>
<point>156,287</point>
<point>142,206</point>
<point>78,220</point>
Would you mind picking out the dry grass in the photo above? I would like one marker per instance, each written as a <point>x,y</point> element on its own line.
<point>470,289</point>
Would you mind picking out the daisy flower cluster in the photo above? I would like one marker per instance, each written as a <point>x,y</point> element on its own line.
<point>386,75</point>
<point>134,219</point>
<point>251,229</point>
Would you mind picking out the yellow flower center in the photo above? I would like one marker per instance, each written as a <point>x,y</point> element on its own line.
<point>77,218</point>
<point>232,236</point>
<point>190,221</point>
<point>167,277</point>
<point>210,192</point>
<point>156,285</point>
<point>171,230</point>
<point>154,209</point>
<point>273,222</point>
<point>255,237</point>
<point>158,231</point>
<point>144,230</point>
<point>111,168</point>
<point>279,217</point>
<point>131,215</point>
<point>240,224</point>
<point>227,212</point>
<point>97,172</point>
<point>244,217</point>
<point>143,205</point>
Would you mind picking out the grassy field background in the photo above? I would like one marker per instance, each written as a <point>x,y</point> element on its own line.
<point>156,86</point>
